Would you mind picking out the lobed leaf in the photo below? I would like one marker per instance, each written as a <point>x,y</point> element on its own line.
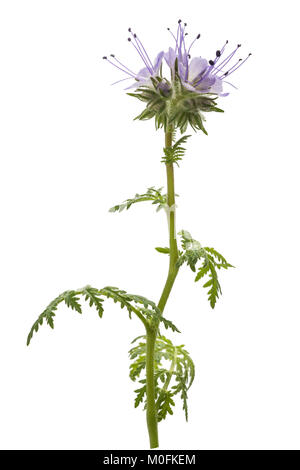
<point>181,373</point>
<point>211,260</point>
<point>152,194</point>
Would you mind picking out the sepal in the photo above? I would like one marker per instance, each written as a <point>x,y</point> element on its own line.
<point>173,104</point>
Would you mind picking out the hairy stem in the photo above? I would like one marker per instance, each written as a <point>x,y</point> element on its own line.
<point>150,388</point>
<point>173,270</point>
<point>152,332</point>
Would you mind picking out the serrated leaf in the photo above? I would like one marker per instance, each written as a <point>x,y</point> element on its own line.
<point>141,392</point>
<point>152,194</point>
<point>211,259</point>
<point>176,152</point>
<point>181,373</point>
<point>92,295</point>
<point>71,299</point>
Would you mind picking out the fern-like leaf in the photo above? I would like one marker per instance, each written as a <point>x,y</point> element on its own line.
<point>72,300</point>
<point>165,406</point>
<point>144,308</point>
<point>211,260</point>
<point>48,315</point>
<point>92,295</point>
<point>140,395</point>
<point>181,373</point>
<point>153,195</point>
<point>176,152</point>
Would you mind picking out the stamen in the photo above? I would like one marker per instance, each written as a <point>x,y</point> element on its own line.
<point>229,57</point>
<point>171,33</point>
<point>122,80</point>
<point>122,70</point>
<point>181,41</point>
<point>178,29</point>
<point>219,54</point>
<point>140,45</point>
<point>124,66</point>
<point>186,55</point>
<point>197,37</point>
<point>241,63</point>
<point>231,68</point>
<point>141,55</point>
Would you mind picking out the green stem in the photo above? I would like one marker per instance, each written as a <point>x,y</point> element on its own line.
<point>173,270</point>
<point>152,331</point>
<point>150,388</point>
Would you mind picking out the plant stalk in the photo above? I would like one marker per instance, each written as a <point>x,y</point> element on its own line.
<point>152,331</point>
<point>150,388</point>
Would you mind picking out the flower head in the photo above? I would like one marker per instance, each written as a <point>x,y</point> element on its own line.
<point>199,74</point>
<point>192,87</point>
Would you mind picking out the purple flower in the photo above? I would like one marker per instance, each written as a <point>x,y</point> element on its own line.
<point>150,69</point>
<point>198,74</point>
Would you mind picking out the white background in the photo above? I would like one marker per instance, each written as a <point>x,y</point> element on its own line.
<point>70,150</point>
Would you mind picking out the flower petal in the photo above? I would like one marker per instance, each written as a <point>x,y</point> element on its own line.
<point>181,70</point>
<point>143,73</point>
<point>188,86</point>
<point>170,57</point>
<point>196,67</point>
<point>141,82</point>
<point>158,61</point>
<point>217,86</point>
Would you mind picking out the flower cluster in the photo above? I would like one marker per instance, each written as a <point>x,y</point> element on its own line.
<point>193,85</point>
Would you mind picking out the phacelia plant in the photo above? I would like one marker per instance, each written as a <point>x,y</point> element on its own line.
<point>177,91</point>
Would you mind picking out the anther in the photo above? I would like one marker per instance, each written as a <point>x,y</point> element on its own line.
<point>179,21</point>
<point>249,54</point>
<point>129,29</point>
<point>218,53</point>
<point>239,45</point>
<point>211,62</point>
<point>112,55</point>
<point>189,56</point>
<point>129,39</point>
<point>134,35</point>
<point>104,57</point>
<point>198,36</point>
<point>185,24</point>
